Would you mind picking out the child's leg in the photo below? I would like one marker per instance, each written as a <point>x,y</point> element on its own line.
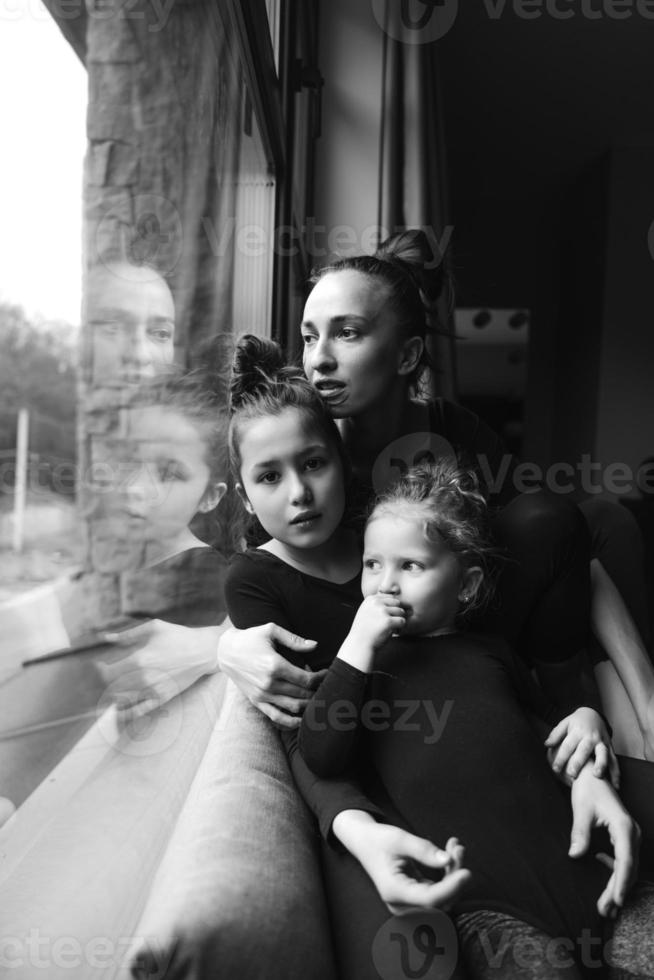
<point>495,946</point>
<point>630,952</point>
<point>370,942</point>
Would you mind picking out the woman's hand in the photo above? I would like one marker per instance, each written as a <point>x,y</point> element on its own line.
<point>576,740</point>
<point>158,661</point>
<point>390,856</point>
<point>596,804</point>
<point>273,685</point>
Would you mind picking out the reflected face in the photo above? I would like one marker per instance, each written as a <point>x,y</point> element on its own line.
<point>425,576</point>
<point>353,348</point>
<point>160,483</point>
<point>292,479</point>
<point>132,319</point>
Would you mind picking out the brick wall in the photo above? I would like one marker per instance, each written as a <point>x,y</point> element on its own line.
<point>164,121</point>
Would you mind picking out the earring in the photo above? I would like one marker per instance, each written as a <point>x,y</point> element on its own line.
<point>465,597</point>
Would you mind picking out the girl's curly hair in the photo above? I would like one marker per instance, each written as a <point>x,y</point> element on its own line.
<point>450,503</point>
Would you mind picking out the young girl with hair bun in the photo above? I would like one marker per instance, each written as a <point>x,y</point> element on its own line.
<point>291,472</point>
<point>407,656</point>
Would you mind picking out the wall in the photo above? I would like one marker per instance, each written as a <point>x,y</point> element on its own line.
<point>625,408</point>
<point>347,163</point>
<point>577,330</point>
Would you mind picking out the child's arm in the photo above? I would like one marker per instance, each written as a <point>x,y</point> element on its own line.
<point>252,600</point>
<point>389,854</point>
<point>332,719</point>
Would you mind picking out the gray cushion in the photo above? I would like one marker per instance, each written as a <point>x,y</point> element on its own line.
<point>239,892</point>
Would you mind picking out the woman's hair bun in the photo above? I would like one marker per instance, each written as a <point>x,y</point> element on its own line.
<point>255,364</point>
<point>414,252</point>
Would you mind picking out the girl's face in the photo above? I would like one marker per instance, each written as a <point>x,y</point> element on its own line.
<point>165,476</point>
<point>354,354</point>
<point>292,479</point>
<point>426,576</point>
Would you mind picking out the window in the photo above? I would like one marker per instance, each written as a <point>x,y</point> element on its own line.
<point>196,188</point>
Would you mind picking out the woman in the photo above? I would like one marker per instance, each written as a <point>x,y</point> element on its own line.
<point>364,342</point>
<point>364,329</point>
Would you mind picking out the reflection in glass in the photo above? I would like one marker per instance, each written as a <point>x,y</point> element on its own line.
<point>131,321</point>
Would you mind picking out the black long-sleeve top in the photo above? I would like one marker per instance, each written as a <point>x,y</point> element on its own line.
<point>441,729</point>
<point>260,588</point>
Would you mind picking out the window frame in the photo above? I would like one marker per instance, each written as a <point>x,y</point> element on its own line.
<point>274,98</point>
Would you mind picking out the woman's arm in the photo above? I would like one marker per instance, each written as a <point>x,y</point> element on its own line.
<point>573,740</point>
<point>278,688</point>
<point>617,632</point>
<point>249,654</point>
<point>596,804</point>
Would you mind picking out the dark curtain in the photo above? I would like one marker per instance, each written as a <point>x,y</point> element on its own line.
<point>412,179</point>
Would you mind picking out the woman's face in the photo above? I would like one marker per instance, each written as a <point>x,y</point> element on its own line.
<point>354,354</point>
<point>132,318</point>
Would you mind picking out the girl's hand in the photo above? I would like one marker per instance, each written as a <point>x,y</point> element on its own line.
<point>276,687</point>
<point>580,737</point>
<point>377,618</point>
<point>391,856</point>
